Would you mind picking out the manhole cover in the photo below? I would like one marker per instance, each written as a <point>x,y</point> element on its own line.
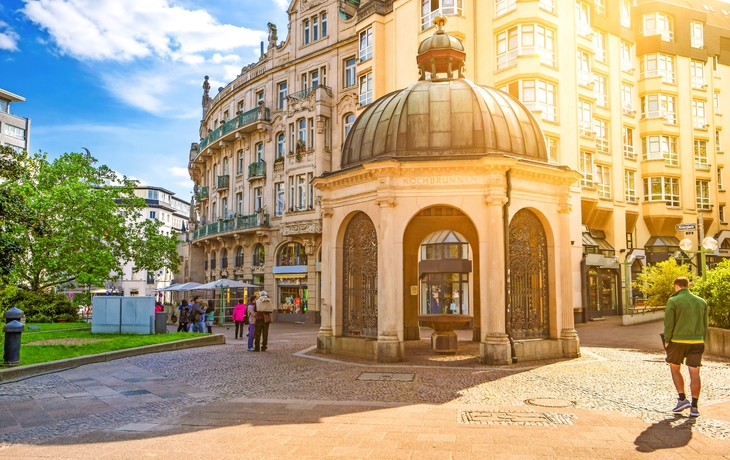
<point>550,402</point>
<point>381,377</point>
<point>525,418</point>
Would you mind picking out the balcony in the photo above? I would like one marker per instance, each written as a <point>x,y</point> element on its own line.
<point>223,181</point>
<point>238,223</point>
<point>257,170</point>
<point>202,194</point>
<point>243,120</point>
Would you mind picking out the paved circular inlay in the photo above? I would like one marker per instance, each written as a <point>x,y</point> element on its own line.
<point>550,402</point>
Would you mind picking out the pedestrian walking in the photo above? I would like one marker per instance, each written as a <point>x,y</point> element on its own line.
<point>264,308</point>
<point>209,317</point>
<point>251,315</point>
<point>686,318</point>
<point>239,315</point>
<point>198,313</point>
<point>183,316</point>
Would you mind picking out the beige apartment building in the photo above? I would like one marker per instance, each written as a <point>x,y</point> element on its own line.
<point>629,94</point>
<point>14,130</point>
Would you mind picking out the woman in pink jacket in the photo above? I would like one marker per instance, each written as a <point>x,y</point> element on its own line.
<point>239,313</point>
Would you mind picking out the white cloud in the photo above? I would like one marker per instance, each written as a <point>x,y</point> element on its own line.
<point>177,171</point>
<point>133,29</point>
<point>8,38</point>
<point>283,4</point>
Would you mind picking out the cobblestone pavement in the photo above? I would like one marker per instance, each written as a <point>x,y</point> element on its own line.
<point>290,402</point>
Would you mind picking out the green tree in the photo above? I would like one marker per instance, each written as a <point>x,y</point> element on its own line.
<point>715,289</point>
<point>14,166</point>
<point>657,281</point>
<point>87,225</point>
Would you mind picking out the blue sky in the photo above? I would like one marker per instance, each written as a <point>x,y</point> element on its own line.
<point>123,78</point>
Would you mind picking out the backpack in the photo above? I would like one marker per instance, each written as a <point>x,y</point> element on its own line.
<point>264,305</point>
<point>185,314</point>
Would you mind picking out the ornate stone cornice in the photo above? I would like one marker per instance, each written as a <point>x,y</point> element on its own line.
<point>304,5</point>
<point>302,227</point>
<point>381,7</point>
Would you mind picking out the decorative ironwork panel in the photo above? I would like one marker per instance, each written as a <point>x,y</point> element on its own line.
<point>527,310</point>
<point>360,278</point>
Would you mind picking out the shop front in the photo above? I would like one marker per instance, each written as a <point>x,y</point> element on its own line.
<point>290,272</point>
<point>601,276</point>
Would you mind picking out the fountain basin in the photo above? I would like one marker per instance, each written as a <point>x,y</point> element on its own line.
<point>444,339</point>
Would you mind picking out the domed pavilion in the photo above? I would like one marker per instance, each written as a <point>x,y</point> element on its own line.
<point>445,203</point>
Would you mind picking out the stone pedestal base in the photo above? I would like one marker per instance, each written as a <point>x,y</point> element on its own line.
<point>495,351</point>
<point>446,342</point>
<point>571,348</point>
<point>390,351</point>
<point>324,344</point>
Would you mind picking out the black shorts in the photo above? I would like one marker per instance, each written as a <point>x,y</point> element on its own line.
<point>677,352</point>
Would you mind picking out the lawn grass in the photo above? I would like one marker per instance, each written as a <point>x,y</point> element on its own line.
<point>34,354</point>
<point>55,326</point>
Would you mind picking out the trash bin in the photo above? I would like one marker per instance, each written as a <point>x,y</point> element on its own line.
<point>161,322</point>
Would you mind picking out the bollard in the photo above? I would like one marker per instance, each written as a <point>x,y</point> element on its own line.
<point>13,330</point>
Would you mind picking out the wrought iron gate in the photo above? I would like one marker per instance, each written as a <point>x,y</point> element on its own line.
<point>360,278</point>
<point>528,310</point>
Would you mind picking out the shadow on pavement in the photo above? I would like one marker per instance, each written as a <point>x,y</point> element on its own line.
<point>667,434</point>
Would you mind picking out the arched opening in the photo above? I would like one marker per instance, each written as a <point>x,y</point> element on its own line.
<point>291,279</point>
<point>224,259</point>
<point>528,311</point>
<point>291,254</point>
<point>238,262</point>
<point>443,270</point>
<point>259,255</point>
<point>212,260</point>
<point>360,278</point>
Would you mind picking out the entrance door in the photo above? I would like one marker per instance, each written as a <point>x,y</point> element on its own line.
<point>602,293</point>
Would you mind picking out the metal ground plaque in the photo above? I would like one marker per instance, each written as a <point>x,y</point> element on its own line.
<point>385,377</point>
<point>525,418</point>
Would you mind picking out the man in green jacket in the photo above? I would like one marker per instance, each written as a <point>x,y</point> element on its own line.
<point>685,327</point>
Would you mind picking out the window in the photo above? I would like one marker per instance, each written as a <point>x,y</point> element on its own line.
<point>301,202</point>
<point>292,254</point>
<point>527,40</point>
<point>659,106</point>
<point>302,132</point>
<point>584,69</point>
<point>629,240</point>
<point>225,166</point>
<point>659,24</point>
<point>500,6</point>
<point>305,79</point>
<point>310,190</point>
<point>258,198</point>
<point>603,181</point>
<point>292,194</point>
<point>259,97</point>
<point>722,215</point>
<point>366,44</point>
<point>153,215</point>
<point>238,262</point>
<point>716,102</point>
<point>626,65</point>
<point>212,260</point>
<point>14,131</point>
<point>241,105</point>
<point>653,65</point>
<point>599,46</point>
<point>280,145</point>
<point>600,89</point>
<point>315,28</point>
<point>327,133</point>
<point>601,130</point>
<point>583,19</point>
<point>715,62</point>
<point>660,148</point>
<point>662,189</point>
<point>537,95</point>
<point>600,7</point>
<point>552,148</point>
<point>349,121</point>
<point>4,106</point>
<point>324,25</point>
<point>224,208</point>
<point>696,31</point>
<point>627,99</point>
<point>719,179</point>
<point>626,13</point>
<point>314,78</point>
<point>698,114</point>
<point>700,148</point>
<point>548,5</point>
<point>350,75</point>
<point>697,71</point>
<point>292,142</point>
<point>718,147</point>
<point>586,169</point>
<point>585,118</point>
<point>259,255</point>
<point>310,144</point>
<point>239,203</point>
<point>282,95</point>
<point>239,162</point>
<point>306,31</point>
<point>630,186</point>
<point>702,187</point>
<point>366,89</point>
<point>628,138</point>
<point>432,8</point>
<point>259,152</point>
<point>279,197</point>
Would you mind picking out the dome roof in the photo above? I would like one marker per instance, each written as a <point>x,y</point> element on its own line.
<point>440,41</point>
<point>443,119</point>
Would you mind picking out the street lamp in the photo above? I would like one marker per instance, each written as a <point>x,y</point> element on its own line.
<point>709,244</point>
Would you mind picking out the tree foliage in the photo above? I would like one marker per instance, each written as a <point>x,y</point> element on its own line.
<point>715,289</point>
<point>86,225</point>
<point>657,281</point>
<point>14,166</point>
<point>38,307</point>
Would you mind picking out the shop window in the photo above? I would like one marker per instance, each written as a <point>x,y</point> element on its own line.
<point>291,254</point>
<point>259,255</point>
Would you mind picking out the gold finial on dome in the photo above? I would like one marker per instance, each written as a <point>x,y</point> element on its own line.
<point>441,54</point>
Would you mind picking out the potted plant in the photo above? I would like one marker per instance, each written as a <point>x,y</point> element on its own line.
<point>301,147</point>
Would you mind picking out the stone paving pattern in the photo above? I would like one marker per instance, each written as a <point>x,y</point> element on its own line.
<point>224,402</point>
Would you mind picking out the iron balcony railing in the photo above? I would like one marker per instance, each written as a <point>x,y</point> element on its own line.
<point>257,169</point>
<point>202,194</point>
<point>243,119</point>
<point>306,92</point>
<point>223,181</point>
<point>237,223</point>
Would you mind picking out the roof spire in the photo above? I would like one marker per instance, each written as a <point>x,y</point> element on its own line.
<point>441,54</point>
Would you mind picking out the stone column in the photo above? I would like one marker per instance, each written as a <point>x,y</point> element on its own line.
<point>389,348</point>
<point>568,335</point>
<point>495,346</point>
<point>325,336</point>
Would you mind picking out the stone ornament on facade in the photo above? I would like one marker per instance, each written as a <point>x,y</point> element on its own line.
<point>309,4</point>
<point>302,227</point>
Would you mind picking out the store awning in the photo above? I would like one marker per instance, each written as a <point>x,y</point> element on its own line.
<point>662,241</point>
<point>290,269</point>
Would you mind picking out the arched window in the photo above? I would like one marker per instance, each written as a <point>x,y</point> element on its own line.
<point>528,310</point>
<point>238,263</point>
<point>360,278</point>
<point>224,259</point>
<point>259,255</point>
<point>212,260</point>
<point>225,166</point>
<point>349,120</point>
<point>280,145</point>
<point>291,254</point>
